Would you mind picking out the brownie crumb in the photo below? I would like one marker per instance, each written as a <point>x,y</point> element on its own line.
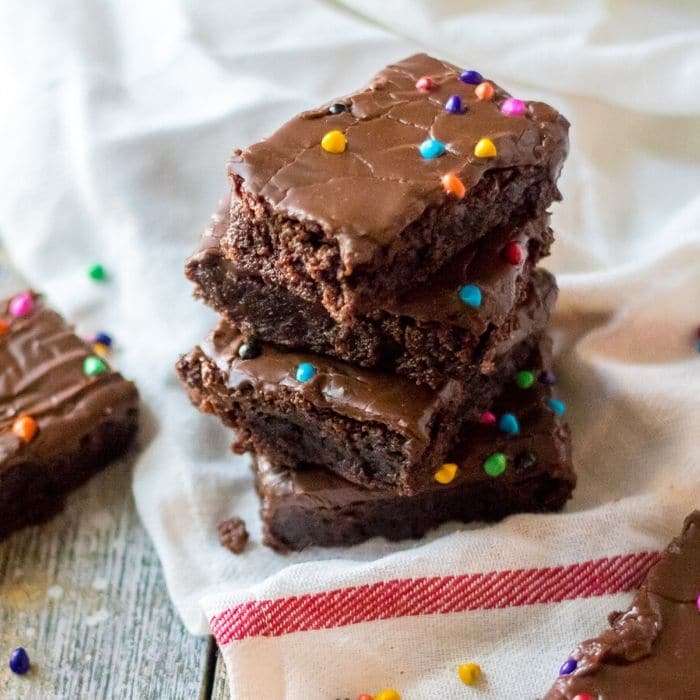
<point>233,535</point>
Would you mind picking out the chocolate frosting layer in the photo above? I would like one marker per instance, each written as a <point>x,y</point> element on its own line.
<point>365,196</point>
<point>41,375</point>
<point>650,652</point>
<point>542,447</point>
<point>353,392</point>
<point>503,286</point>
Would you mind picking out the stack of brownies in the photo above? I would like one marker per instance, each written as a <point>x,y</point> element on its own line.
<point>382,350</point>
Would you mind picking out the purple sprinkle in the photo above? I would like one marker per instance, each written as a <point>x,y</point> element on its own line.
<point>19,661</point>
<point>547,377</point>
<point>102,338</point>
<point>471,77</point>
<point>454,104</point>
<point>569,666</point>
<point>513,107</point>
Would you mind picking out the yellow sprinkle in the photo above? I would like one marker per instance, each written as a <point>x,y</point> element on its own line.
<point>469,674</point>
<point>485,149</point>
<point>334,141</point>
<point>388,694</point>
<point>100,349</point>
<point>446,473</point>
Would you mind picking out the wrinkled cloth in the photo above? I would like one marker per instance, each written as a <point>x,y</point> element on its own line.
<point>117,122</point>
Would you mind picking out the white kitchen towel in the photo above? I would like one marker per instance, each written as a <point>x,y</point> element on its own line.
<point>116,122</point>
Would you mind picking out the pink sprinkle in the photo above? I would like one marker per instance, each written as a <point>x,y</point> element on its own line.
<point>487,418</point>
<point>697,602</point>
<point>424,84</point>
<point>513,107</point>
<point>21,305</point>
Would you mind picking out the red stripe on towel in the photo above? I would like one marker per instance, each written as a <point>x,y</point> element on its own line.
<point>429,596</point>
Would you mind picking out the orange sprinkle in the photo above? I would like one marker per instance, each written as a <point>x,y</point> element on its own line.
<point>25,428</point>
<point>484,91</point>
<point>4,326</point>
<point>453,185</point>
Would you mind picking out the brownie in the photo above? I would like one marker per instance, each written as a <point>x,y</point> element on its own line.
<point>311,506</point>
<point>427,333</point>
<point>370,428</point>
<point>233,535</point>
<point>650,652</point>
<point>65,414</point>
<point>350,229</point>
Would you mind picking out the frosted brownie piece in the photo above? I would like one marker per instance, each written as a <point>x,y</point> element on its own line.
<point>351,228</point>
<point>370,428</point>
<point>64,414</point>
<point>651,650</point>
<point>306,507</point>
<point>428,333</point>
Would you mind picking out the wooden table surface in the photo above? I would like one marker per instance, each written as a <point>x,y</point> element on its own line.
<point>85,595</point>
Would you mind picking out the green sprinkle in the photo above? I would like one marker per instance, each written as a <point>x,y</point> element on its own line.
<point>496,464</point>
<point>98,272</point>
<point>524,379</point>
<point>93,365</point>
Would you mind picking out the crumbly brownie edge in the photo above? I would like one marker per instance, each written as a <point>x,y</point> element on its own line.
<point>32,492</point>
<point>292,527</point>
<point>298,256</point>
<point>295,431</point>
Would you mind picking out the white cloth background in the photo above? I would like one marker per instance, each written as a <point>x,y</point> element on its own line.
<point>116,122</point>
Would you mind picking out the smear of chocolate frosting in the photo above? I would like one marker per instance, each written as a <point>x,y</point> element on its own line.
<point>356,393</point>
<point>41,375</point>
<point>367,195</point>
<point>652,651</point>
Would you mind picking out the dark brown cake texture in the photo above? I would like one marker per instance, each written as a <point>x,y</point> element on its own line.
<point>373,429</point>
<point>63,413</point>
<point>651,651</point>
<point>428,333</point>
<point>233,535</point>
<point>350,224</point>
<point>311,506</point>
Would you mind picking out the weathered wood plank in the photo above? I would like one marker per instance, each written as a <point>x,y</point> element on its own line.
<point>86,596</point>
<point>221,690</point>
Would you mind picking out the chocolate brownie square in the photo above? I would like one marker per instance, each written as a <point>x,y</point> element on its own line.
<point>312,506</point>
<point>428,333</point>
<point>348,204</point>
<point>650,652</point>
<point>370,428</point>
<point>64,414</point>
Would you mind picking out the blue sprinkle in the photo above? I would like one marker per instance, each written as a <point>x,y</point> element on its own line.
<point>103,338</point>
<point>19,661</point>
<point>431,148</point>
<point>305,372</point>
<point>569,666</point>
<point>697,346</point>
<point>470,294</point>
<point>471,77</point>
<point>454,104</point>
<point>508,423</point>
<point>559,407</point>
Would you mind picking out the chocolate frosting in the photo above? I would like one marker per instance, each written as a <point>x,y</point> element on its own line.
<point>541,447</point>
<point>353,392</point>
<point>365,196</point>
<point>650,652</point>
<point>503,286</point>
<point>41,375</point>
